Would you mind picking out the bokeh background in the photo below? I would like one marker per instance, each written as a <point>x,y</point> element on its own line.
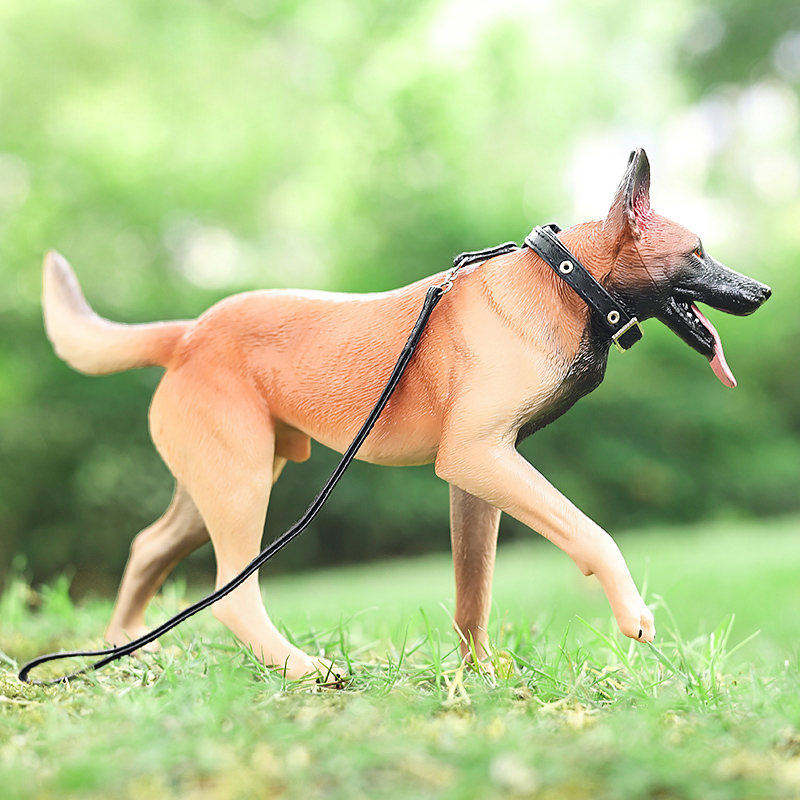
<point>177,152</point>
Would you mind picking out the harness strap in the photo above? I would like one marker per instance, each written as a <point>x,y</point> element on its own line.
<point>472,256</point>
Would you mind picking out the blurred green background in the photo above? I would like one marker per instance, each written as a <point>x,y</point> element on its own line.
<point>177,152</point>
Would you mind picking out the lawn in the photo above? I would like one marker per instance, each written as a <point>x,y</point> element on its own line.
<point>711,711</point>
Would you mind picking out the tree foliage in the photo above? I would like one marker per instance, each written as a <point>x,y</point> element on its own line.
<point>178,152</point>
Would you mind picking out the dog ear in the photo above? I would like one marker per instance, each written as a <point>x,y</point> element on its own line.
<point>630,211</point>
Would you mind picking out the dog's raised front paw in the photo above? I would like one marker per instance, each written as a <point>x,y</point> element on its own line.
<point>638,624</point>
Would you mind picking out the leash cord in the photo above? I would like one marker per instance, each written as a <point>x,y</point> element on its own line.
<point>433,296</point>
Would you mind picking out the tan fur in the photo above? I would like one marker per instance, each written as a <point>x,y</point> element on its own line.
<point>251,381</point>
<point>91,344</point>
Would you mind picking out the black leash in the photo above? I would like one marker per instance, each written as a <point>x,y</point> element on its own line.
<point>434,295</point>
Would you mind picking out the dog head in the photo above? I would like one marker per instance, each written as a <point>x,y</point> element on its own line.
<point>660,269</point>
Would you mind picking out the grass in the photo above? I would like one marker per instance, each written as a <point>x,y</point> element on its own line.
<point>712,711</point>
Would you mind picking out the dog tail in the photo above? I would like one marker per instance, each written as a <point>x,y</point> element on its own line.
<point>94,345</point>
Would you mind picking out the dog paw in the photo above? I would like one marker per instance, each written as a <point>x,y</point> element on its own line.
<point>319,673</point>
<point>328,675</point>
<point>498,666</point>
<point>638,624</point>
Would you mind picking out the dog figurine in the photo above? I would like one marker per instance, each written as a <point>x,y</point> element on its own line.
<point>510,348</point>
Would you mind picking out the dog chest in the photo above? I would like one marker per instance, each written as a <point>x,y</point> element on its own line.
<point>584,375</point>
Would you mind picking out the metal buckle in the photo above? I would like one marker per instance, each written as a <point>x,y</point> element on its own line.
<point>633,323</point>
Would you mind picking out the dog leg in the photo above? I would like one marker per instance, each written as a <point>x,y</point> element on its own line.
<point>277,467</point>
<point>473,532</point>
<point>236,533</point>
<point>154,554</point>
<point>219,442</point>
<point>498,474</point>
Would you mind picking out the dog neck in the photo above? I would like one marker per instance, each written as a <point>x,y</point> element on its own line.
<point>587,242</point>
<point>533,299</point>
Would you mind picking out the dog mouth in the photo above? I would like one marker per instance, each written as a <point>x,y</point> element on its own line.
<point>687,321</point>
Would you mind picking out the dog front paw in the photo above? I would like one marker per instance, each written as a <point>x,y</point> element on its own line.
<point>638,624</point>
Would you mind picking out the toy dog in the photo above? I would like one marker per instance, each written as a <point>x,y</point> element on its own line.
<point>510,348</point>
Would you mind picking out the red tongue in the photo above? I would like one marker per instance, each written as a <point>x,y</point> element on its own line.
<point>718,363</point>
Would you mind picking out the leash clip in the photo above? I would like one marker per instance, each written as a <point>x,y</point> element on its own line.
<point>473,257</point>
<point>449,279</point>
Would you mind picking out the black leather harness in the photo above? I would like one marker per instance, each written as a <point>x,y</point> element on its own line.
<point>623,329</point>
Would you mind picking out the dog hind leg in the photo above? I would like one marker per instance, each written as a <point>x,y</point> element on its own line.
<point>218,441</point>
<point>473,532</point>
<point>154,554</point>
<point>236,534</point>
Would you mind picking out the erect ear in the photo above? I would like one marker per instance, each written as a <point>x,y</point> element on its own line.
<point>630,211</point>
